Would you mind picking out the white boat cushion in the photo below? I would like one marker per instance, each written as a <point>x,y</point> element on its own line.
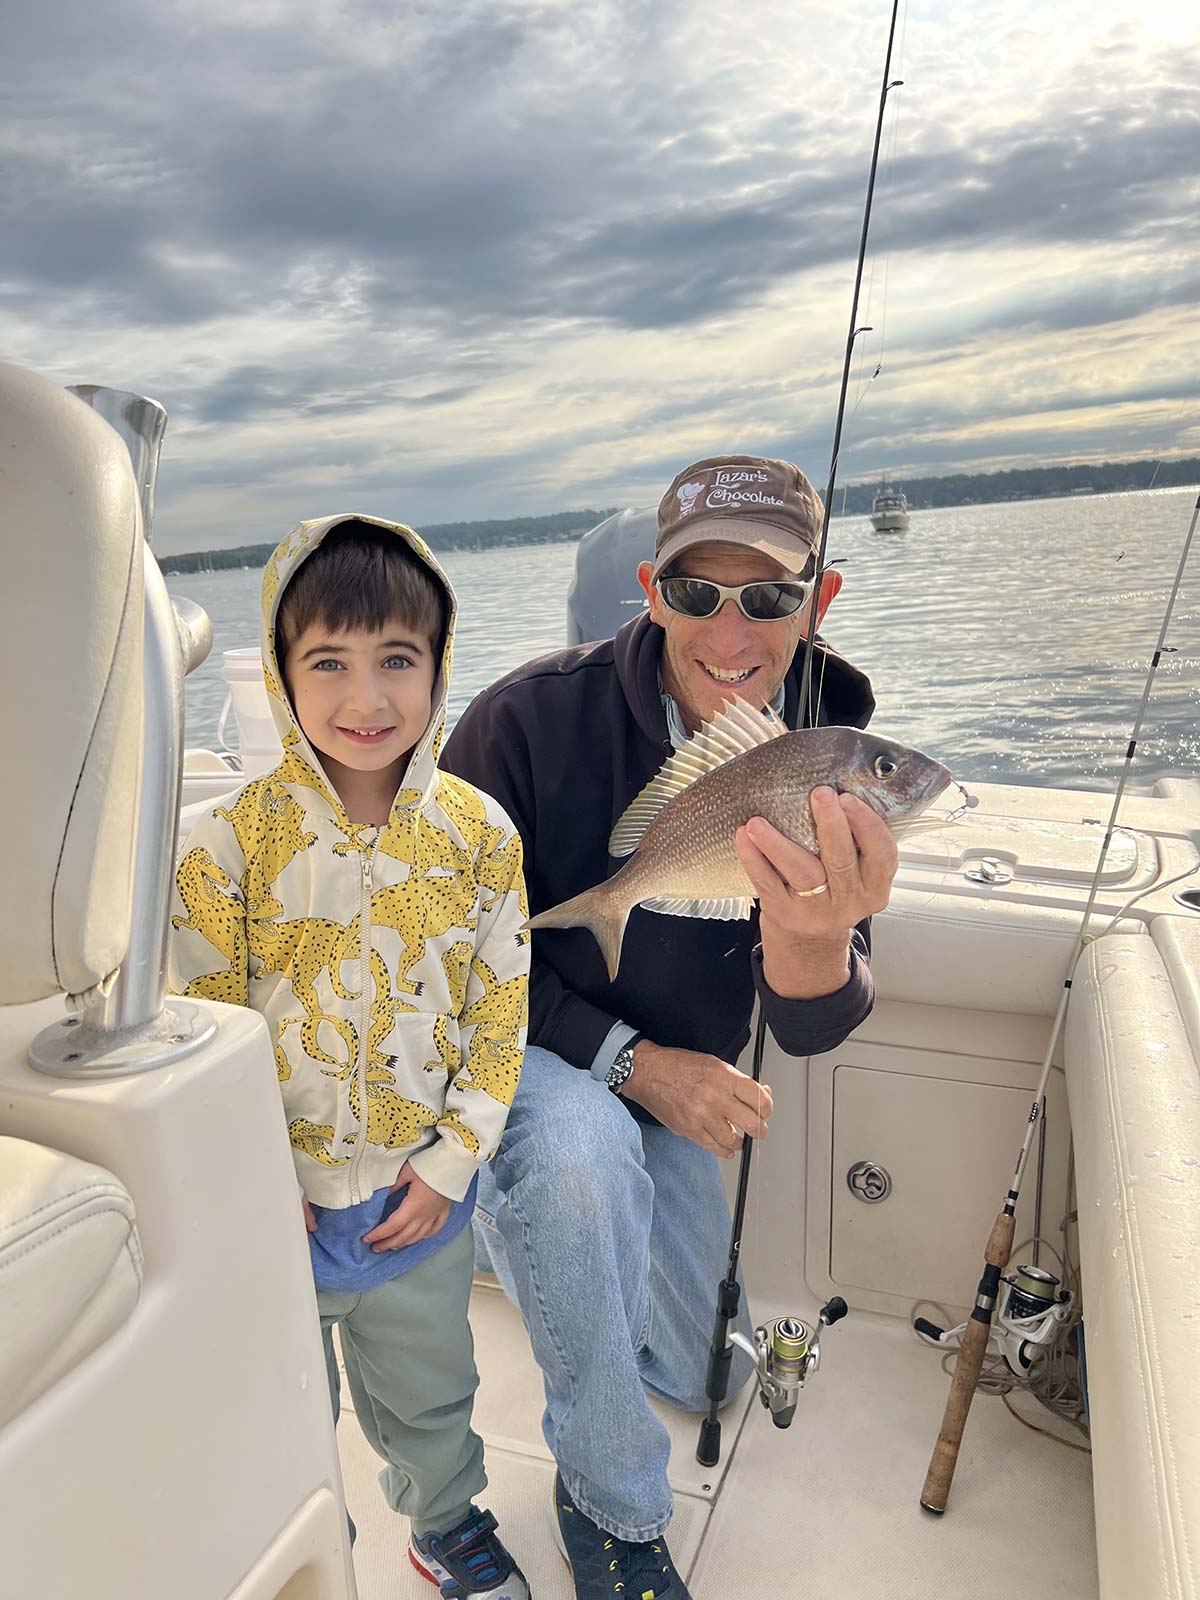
<point>70,1267</point>
<point>71,551</point>
<point>975,954</point>
<point>1134,1085</point>
<point>1177,940</point>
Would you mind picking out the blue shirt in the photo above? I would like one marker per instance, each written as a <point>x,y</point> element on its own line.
<point>343,1264</point>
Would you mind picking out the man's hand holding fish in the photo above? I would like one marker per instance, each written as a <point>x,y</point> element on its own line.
<point>809,905</point>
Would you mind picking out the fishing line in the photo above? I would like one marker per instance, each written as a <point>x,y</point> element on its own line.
<point>887,192</point>
<point>1182,408</point>
<point>809,709</point>
<point>890,183</point>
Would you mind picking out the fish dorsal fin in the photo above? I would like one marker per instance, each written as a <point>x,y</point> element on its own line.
<point>731,733</point>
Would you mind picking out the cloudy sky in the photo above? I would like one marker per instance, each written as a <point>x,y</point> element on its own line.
<point>491,258</point>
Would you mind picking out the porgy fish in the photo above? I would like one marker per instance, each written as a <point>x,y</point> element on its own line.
<point>742,764</point>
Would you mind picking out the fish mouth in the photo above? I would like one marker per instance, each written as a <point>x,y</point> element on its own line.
<point>915,818</point>
<point>902,811</point>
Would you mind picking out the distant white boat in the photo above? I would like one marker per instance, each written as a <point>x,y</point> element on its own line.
<point>889,510</point>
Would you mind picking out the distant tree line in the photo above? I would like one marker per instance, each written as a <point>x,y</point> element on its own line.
<point>958,489</point>
<point>1024,483</point>
<point>559,528</point>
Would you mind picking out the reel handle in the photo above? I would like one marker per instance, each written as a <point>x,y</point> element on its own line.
<point>833,1311</point>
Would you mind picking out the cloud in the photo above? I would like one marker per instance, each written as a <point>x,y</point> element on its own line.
<point>525,254</point>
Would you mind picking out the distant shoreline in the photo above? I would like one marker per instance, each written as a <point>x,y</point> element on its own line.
<point>923,494</point>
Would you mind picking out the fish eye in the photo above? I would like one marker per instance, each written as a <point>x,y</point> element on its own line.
<point>884,766</point>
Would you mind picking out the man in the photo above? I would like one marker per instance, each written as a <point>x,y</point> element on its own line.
<point>604,1215</point>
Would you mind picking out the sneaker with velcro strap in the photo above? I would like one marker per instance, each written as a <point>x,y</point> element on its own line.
<point>469,1562</point>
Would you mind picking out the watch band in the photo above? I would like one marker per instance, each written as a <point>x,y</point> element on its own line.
<point>622,1065</point>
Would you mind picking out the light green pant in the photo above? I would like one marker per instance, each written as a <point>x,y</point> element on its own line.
<point>410,1360</point>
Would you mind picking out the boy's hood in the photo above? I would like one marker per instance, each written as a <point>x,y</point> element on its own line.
<point>300,762</point>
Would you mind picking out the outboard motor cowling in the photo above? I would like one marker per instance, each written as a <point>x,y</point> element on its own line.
<point>605,592</point>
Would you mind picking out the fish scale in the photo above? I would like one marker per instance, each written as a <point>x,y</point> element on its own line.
<point>743,764</point>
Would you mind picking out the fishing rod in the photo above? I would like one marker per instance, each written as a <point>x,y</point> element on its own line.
<point>978,1331</point>
<point>786,1352</point>
<point>809,712</point>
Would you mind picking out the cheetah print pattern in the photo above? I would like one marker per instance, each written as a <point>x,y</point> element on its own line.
<point>213,910</point>
<point>383,1034</point>
<point>269,828</point>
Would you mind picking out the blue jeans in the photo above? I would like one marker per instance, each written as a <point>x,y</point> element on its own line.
<point>611,1237</point>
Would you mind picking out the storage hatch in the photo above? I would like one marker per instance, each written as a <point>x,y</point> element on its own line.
<point>1034,851</point>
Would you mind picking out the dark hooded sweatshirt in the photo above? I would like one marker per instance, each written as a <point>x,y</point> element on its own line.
<point>565,743</point>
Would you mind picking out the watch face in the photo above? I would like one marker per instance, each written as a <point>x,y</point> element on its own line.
<point>620,1069</point>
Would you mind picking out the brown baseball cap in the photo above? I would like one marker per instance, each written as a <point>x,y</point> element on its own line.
<point>766,505</point>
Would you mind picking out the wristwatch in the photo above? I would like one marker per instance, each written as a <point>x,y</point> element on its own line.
<point>622,1066</point>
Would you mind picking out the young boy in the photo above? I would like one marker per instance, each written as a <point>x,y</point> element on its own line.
<point>370,906</point>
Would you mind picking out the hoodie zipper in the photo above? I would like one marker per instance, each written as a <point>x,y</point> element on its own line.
<point>366,861</point>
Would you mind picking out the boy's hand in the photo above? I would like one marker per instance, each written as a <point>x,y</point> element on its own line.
<point>422,1213</point>
<point>310,1222</point>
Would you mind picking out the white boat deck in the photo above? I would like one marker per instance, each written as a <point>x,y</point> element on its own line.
<point>827,1507</point>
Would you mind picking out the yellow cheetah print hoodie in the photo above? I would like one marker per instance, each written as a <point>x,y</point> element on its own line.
<point>389,963</point>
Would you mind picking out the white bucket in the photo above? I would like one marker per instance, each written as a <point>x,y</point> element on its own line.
<point>258,743</point>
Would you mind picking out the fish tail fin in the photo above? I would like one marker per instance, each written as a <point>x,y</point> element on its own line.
<point>600,914</point>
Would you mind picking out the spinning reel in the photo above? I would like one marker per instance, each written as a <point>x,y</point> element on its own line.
<point>785,1354</point>
<point>1033,1310</point>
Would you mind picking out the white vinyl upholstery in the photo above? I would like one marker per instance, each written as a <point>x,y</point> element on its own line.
<point>70,1267</point>
<point>70,718</point>
<point>1177,940</point>
<point>181,1440</point>
<point>972,954</point>
<point>1133,1078</point>
<point>172,1438</point>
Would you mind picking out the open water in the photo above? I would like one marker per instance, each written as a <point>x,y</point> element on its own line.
<point>1010,641</point>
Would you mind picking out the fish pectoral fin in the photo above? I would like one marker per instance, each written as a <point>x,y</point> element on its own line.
<point>731,733</point>
<point>721,910</point>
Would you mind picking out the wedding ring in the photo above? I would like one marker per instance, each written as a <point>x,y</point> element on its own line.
<point>806,894</point>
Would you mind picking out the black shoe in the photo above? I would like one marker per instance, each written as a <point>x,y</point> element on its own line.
<point>604,1566</point>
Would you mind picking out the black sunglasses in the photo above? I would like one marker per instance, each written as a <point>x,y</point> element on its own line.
<point>769,601</point>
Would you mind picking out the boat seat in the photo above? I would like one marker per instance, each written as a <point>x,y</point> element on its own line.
<point>70,1267</point>
<point>973,954</point>
<point>1133,1079</point>
<point>172,1439</point>
<point>71,534</point>
<point>1177,940</point>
